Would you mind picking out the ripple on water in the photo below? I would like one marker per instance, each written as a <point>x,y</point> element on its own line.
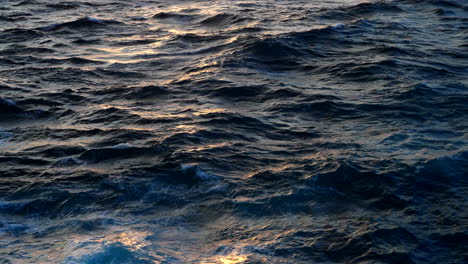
<point>233,132</point>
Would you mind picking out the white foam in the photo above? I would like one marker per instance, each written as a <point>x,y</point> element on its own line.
<point>92,19</point>
<point>363,22</point>
<point>218,188</point>
<point>10,102</point>
<point>338,26</point>
<point>50,27</point>
<point>198,172</point>
<point>69,162</point>
<point>123,146</point>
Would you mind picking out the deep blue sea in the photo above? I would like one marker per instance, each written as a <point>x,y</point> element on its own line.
<point>233,131</point>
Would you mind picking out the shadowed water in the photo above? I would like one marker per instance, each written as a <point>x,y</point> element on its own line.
<point>233,131</point>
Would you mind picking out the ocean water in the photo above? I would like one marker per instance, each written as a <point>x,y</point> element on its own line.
<point>233,131</point>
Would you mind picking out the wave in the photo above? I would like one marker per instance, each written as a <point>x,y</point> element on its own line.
<point>82,23</point>
<point>360,10</point>
<point>119,152</point>
<point>445,3</point>
<point>222,19</point>
<point>8,106</point>
<point>15,17</point>
<point>17,35</point>
<point>194,38</point>
<point>176,16</point>
<point>116,252</point>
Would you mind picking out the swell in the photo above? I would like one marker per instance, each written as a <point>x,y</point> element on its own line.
<point>222,19</point>
<point>80,24</point>
<point>361,10</point>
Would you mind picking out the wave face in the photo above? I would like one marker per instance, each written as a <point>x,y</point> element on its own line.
<point>233,131</point>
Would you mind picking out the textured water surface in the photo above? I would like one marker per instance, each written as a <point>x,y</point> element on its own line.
<point>225,131</point>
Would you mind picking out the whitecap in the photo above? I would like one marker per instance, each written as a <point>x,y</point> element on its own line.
<point>66,162</point>
<point>123,146</point>
<point>198,172</point>
<point>10,102</point>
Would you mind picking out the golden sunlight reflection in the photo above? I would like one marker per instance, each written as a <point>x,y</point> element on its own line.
<point>208,68</point>
<point>232,259</point>
<point>126,54</point>
<point>274,169</point>
<point>133,240</point>
<point>210,111</point>
<point>187,129</point>
<point>208,147</point>
<point>155,115</point>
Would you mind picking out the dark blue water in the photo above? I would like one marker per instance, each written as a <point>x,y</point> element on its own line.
<point>233,131</point>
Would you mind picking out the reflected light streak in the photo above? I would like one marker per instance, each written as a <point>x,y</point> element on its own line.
<point>232,259</point>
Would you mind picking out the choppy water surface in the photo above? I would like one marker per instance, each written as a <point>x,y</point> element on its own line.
<point>233,131</point>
